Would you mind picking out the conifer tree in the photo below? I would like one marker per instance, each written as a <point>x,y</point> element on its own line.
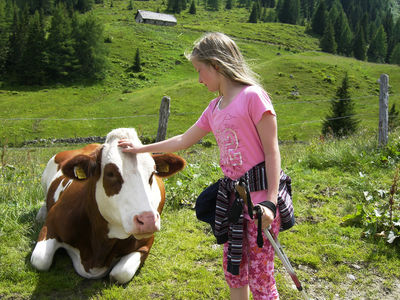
<point>289,11</point>
<point>271,16</point>
<point>242,3</point>
<point>395,57</point>
<point>319,19</point>
<point>130,6</point>
<point>17,43</point>
<point>364,23</point>
<point>229,4</point>
<point>192,9</point>
<point>333,14</point>
<point>338,23</point>
<point>307,7</point>
<point>248,4</point>
<point>183,4</point>
<point>345,41</point>
<point>177,6</point>
<point>253,15</point>
<point>377,50</point>
<point>213,4</point>
<point>4,32</point>
<point>263,16</point>
<point>90,52</point>
<point>60,44</point>
<point>136,65</point>
<point>396,32</point>
<point>328,43</point>
<point>34,56</point>
<point>389,27</point>
<point>341,121</point>
<point>359,45</point>
<point>343,35</point>
<point>388,24</point>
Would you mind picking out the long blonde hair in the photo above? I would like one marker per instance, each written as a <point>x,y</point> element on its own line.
<point>217,49</point>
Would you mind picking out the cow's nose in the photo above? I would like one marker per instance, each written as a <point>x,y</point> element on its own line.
<point>147,222</point>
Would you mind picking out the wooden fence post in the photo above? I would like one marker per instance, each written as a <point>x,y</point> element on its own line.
<point>383,110</point>
<point>163,120</point>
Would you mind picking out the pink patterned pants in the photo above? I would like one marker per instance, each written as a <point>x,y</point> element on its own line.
<point>257,265</point>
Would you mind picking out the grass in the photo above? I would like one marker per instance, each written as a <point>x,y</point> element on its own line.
<point>333,259</point>
<point>286,58</point>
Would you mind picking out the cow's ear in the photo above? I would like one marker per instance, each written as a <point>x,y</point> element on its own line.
<point>80,167</point>
<point>168,164</point>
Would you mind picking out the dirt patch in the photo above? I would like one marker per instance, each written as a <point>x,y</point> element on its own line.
<point>357,286</point>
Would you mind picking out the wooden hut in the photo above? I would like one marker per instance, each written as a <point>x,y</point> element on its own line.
<point>149,17</point>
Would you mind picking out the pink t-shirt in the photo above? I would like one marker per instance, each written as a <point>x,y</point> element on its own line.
<point>234,128</point>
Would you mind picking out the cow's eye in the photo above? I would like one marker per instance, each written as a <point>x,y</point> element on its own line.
<point>110,174</point>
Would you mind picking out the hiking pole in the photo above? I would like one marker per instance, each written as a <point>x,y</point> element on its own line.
<point>279,251</point>
<point>244,193</point>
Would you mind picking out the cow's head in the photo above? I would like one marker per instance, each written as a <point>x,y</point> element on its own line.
<point>128,190</point>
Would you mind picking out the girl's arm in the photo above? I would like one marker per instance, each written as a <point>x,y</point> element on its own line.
<point>268,132</point>
<point>179,142</point>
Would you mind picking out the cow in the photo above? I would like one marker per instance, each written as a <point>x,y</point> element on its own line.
<point>103,207</point>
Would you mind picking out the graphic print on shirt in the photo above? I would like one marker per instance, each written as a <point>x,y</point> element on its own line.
<point>229,145</point>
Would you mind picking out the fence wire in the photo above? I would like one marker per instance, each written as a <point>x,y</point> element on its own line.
<point>198,113</point>
<point>59,142</point>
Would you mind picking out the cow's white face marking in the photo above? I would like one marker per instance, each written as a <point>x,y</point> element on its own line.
<point>123,189</point>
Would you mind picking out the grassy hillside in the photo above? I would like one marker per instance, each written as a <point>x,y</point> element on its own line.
<point>287,59</point>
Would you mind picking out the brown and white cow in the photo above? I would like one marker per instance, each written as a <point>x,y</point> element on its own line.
<point>103,206</point>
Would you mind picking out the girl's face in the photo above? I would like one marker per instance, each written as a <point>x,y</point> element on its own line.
<point>208,75</point>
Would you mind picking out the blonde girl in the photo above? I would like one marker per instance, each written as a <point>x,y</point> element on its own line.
<point>243,122</point>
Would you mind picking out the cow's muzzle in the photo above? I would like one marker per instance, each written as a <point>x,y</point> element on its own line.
<point>145,224</point>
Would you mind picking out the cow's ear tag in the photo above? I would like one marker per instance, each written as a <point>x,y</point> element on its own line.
<point>162,167</point>
<point>79,173</point>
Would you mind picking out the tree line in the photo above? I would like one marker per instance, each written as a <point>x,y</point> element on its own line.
<point>364,29</point>
<point>47,41</point>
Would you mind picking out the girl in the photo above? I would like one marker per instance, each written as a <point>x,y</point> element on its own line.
<point>244,124</point>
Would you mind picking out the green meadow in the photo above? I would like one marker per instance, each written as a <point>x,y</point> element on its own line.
<point>300,79</point>
<point>339,246</point>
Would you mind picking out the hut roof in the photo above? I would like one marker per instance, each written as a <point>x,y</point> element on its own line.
<point>149,15</point>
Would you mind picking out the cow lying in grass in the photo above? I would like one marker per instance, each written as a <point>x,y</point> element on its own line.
<point>103,206</point>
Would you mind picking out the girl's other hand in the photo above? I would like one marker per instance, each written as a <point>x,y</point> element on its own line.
<point>267,217</point>
<point>128,146</point>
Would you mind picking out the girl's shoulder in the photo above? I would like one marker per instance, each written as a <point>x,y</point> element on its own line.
<point>254,94</point>
<point>254,90</point>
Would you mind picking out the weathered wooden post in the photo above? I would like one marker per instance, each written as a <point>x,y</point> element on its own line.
<point>163,120</point>
<point>383,109</point>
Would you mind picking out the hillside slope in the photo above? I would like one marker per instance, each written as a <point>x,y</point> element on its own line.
<point>300,79</point>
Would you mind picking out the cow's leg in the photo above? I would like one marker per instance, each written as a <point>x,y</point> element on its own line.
<point>42,255</point>
<point>126,268</point>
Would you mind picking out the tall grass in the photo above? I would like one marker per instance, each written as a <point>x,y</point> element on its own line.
<point>330,178</point>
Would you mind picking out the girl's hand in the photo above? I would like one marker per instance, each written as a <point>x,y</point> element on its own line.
<point>128,146</point>
<point>267,217</point>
